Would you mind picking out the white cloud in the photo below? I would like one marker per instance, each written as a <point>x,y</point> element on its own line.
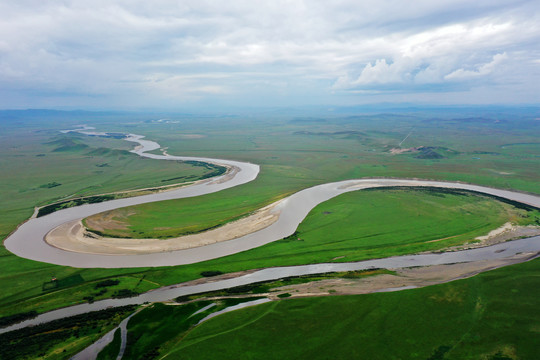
<point>482,70</point>
<point>382,72</point>
<point>439,54</point>
<point>114,47</point>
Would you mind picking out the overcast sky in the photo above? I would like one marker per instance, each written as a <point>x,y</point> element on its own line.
<point>175,54</point>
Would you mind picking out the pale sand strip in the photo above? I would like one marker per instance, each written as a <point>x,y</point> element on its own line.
<point>73,236</point>
<point>414,277</point>
<point>504,228</point>
<point>506,232</point>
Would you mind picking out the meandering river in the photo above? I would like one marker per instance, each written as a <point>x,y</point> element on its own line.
<point>499,251</point>
<point>28,240</point>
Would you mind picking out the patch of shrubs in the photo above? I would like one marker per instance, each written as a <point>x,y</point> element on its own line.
<point>71,203</point>
<point>106,283</point>
<point>16,318</point>
<point>124,293</point>
<point>210,273</point>
<point>50,185</point>
<point>34,341</point>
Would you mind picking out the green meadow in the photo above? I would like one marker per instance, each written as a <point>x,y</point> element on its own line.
<point>354,226</point>
<point>191,215</point>
<point>298,153</point>
<point>369,224</point>
<point>41,166</point>
<point>490,316</point>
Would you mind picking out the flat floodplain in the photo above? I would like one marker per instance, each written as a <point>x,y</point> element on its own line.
<point>377,223</point>
<point>43,166</point>
<point>298,153</point>
<point>39,168</point>
<point>490,316</point>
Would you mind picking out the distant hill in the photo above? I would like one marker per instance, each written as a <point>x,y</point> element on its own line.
<point>101,151</point>
<point>66,144</point>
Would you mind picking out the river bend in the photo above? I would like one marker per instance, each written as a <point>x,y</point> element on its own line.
<point>28,240</point>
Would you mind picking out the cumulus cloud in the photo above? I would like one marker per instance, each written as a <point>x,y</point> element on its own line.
<point>439,55</point>
<point>482,70</point>
<point>306,50</point>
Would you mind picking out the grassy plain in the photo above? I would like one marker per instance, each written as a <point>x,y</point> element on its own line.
<point>152,327</point>
<point>298,153</point>
<point>355,226</point>
<point>379,223</point>
<point>34,173</point>
<point>174,218</point>
<point>39,166</point>
<point>294,153</point>
<point>490,316</point>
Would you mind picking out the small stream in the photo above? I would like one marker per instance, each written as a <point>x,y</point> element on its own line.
<point>233,308</point>
<point>92,351</point>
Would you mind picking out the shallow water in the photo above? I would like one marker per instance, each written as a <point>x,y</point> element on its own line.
<point>235,307</point>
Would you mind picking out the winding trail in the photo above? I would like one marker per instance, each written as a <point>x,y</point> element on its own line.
<point>28,240</point>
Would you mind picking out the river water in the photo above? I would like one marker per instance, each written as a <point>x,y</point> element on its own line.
<point>498,251</point>
<point>27,241</point>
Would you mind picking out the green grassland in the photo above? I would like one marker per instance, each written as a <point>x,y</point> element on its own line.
<point>40,166</point>
<point>160,325</point>
<point>490,316</point>
<point>30,180</point>
<point>373,223</point>
<point>341,148</point>
<point>296,154</point>
<point>152,327</point>
<point>354,226</point>
<point>379,223</point>
<point>191,215</point>
<point>293,154</point>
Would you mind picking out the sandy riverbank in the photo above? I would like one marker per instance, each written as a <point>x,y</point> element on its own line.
<point>404,278</point>
<point>73,236</point>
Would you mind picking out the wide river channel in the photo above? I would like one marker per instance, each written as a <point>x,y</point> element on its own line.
<point>28,240</point>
